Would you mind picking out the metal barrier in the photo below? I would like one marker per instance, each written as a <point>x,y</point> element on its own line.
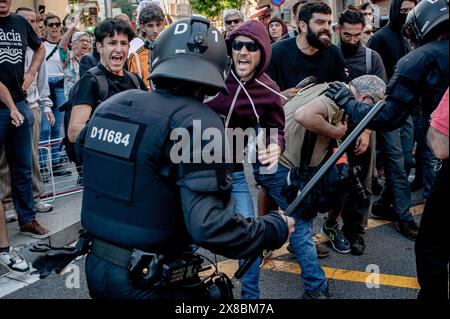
<point>56,185</point>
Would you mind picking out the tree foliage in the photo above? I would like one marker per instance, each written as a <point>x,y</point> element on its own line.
<point>214,8</point>
<point>125,5</point>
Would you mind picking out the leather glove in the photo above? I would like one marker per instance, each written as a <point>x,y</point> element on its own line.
<point>58,258</point>
<point>339,93</point>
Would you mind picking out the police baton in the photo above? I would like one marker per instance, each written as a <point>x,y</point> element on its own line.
<point>315,179</point>
<point>334,158</point>
<point>246,265</point>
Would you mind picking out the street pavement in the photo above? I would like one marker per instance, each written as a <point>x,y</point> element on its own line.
<point>387,251</point>
<point>385,271</point>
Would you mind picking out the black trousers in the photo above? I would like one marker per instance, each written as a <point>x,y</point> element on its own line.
<point>432,244</point>
<point>356,210</point>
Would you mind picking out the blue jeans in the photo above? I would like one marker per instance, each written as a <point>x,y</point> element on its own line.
<point>425,160</point>
<point>49,132</point>
<point>302,243</point>
<point>273,183</point>
<point>244,206</point>
<point>17,141</point>
<point>396,190</point>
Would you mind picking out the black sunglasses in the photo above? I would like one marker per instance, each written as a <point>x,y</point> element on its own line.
<point>54,24</point>
<point>251,46</point>
<point>236,21</point>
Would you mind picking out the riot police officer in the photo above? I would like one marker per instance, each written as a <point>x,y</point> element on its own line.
<point>150,192</point>
<point>421,74</point>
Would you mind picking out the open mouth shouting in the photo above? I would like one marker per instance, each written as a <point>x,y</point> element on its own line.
<point>117,60</point>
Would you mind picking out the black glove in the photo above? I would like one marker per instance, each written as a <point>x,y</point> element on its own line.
<point>48,264</point>
<point>57,258</point>
<point>339,93</point>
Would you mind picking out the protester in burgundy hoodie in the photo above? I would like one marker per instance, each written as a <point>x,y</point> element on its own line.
<point>253,101</point>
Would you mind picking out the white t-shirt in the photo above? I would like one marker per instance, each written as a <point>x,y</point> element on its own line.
<point>55,66</point>
<point>135,44</point>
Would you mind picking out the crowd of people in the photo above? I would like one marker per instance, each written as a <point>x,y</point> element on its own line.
<point>53,82</point>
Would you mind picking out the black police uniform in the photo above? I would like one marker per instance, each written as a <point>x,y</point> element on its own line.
<point>136,198</point>
<point>422,73</point>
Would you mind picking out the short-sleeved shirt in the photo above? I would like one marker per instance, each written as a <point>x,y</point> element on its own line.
<point>440,120</point>
<point>55,67</point>
<point>295,133</point>
<point>88,90</point>
<point>289,65</point>
<point>16,34</point>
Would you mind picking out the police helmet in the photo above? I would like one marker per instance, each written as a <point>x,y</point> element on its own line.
<point>426,16</point>
<point>194,51</point>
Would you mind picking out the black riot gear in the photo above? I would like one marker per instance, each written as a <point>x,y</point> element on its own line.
<point>191,50</point>
<point>150,190</point>
<point>424,18</point>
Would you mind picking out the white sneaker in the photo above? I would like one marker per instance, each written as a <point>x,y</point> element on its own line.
<point>43,207</point>
<point>14,261</point>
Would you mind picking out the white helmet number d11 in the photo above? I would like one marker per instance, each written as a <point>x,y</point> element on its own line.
<point>181,28</point>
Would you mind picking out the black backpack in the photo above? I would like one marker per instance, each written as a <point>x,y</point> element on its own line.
<point>103,90</point>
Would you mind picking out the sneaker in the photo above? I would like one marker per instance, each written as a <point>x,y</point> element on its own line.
<point>357,245</point>
<point>383,212</point>
<point>59,170</point>
<point>407,229</point>
<point>322,251</point>
<point>336,238</point>
<point>10,216</point>
<point>14,261</point>
<point>43,207</point>
<point>323,294</point>
<point>34,230</point>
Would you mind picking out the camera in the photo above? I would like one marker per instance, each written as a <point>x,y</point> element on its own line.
<point>219,287</point>
<point>355,183</point>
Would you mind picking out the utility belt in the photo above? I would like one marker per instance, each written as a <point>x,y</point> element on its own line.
<point>147,269</point>
<point>150,270</point>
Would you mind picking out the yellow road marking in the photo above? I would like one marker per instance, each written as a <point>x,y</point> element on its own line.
<point>230,266</point>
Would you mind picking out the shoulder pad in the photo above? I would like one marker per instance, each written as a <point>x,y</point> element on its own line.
<point>414,65</point>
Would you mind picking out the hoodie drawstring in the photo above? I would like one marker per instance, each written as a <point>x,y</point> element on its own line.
<point>270,89</point>
<point>235,98</point>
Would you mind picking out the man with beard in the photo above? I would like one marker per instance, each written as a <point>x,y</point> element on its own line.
<point>359,61</point>
<point>310,53</point>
